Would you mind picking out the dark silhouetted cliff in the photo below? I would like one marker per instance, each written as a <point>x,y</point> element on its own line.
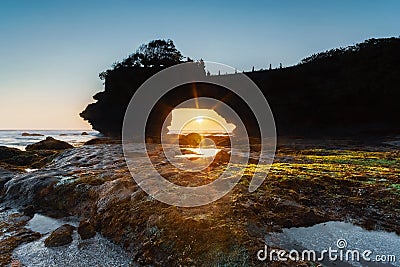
<point>346,91</point>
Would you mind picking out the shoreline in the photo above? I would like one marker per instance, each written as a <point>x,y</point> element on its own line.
<point>309,183</point>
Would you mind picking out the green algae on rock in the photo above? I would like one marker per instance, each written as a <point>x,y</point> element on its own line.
<point>309,182</point>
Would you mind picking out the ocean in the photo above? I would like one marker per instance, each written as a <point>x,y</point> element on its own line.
<point>15,138</point>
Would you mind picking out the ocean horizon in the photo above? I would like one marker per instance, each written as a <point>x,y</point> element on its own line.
<point>15,139</point>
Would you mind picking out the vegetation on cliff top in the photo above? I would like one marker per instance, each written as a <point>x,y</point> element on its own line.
<point>155,54</point>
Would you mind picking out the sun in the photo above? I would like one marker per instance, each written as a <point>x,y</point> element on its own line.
<point>192,120</point>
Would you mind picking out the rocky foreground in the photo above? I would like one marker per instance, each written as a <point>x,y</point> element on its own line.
<point>310,182</point>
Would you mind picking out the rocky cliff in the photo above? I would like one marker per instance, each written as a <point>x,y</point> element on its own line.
<point>345,91</point>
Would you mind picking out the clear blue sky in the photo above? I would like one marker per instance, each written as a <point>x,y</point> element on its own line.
<point>52,51</point>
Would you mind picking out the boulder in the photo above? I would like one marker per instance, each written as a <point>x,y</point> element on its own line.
<point>102,140</point>
<point>31,134</point>
<point>29,211</point>
<point>224,141</point>
<point>221,158</point>
<point>60,237</point>
<point>13,159</point>
<point>49,144</point>
<point>9,152</point>
<point>84,133</point>
<point>16,157</point>
<point>192,139</point>
<point>86,229</point>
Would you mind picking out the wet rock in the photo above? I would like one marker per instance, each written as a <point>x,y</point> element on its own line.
<point>31,134</point>
<point>9,152</point>
<point>5,176</point>
<point>29,211</point>
<point>60,237</point>
<point>192,139</point>
<point>12,158</point>
<point>13,233</point>
<point>26,188</point>
<point>8,244</point>
<point>24,159</point>
<point>113,192</point>
<point>49,144</point>
<point>299,191</point>
<point>222,157</point>
<point>102,140</point>
<point>84,133</point>
<point>86,229</point>
<point>219,141</point>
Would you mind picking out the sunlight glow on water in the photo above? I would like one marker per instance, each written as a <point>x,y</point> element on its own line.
<point>200,153</point>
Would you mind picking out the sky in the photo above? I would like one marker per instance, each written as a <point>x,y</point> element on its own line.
<point>195,120</point>
<point>52,51</point>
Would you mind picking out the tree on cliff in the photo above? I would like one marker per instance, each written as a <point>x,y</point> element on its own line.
<point>123,79</point>
<point>155,54</point>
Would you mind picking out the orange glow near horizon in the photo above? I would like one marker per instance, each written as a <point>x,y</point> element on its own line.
<point>193,120</point>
